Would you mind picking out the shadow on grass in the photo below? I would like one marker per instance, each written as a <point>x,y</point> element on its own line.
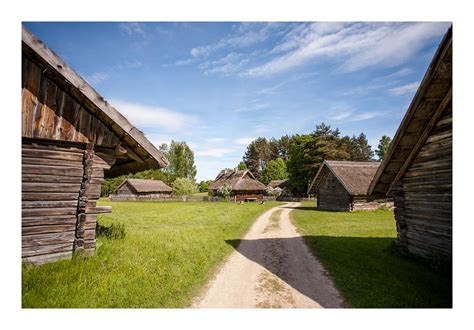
<point>364,270</point>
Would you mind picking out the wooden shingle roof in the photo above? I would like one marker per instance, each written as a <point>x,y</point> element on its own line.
<point>354,176</point>
<point>238,179</point>
<point>432,96</point>
<point>146,186</point>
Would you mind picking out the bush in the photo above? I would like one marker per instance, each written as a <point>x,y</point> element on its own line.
<point>224,191</point>
<point>114,231</point>
<point>183,186</point>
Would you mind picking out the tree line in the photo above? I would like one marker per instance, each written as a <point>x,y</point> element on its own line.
<point>298,157</point>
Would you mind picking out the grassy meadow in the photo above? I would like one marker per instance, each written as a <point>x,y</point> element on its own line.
<point>355,250</point>
<point>169,252</point>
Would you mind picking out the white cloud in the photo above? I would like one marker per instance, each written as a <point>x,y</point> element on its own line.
<point>357,46</point>
<point>246,35</point>
<point>405,89</point>
<point>96,77</point>
<point>134,28</point>
<point>213,152</point>
<point>244,140</point>
<point>153,116</point>
<point>253,107</point>
<point>216,140</point>
<point>341,115</point>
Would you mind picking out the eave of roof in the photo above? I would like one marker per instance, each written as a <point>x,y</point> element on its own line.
<point>376,187</point>
<point>129,135</point>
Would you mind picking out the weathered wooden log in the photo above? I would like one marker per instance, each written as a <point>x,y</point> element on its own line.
<point>48,211</point>
<point>48,204</point>
<point>48,239</point>
<point>48,220</point>
<point>51,170</point>
<point>48,196</point>
<point>50,187</point>
<point>34,250</point>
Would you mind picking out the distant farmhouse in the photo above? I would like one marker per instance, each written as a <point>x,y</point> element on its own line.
<point>278,184</point>
<point>242,182</point>
<point>71,139</point>
<point>417,170</point>
<point>343,186</point>
<point>141,189</point>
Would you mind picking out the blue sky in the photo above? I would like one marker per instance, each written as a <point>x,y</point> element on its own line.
<point>219,85</point>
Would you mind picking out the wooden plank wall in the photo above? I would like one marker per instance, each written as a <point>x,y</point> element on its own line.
<point>51,181</point>
<point>331,194</point>
<point>241,196</point>
<point>427,194</point>
<point>60,189</point>
<point>48,112</point>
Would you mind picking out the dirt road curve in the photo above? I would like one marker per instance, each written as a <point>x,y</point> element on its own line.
<point>271,267</point>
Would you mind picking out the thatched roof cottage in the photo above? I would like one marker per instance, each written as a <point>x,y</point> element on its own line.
<point>279,184</point>
<point>132,189</point>
<point>343,185</point>
<point>417,170</point>
<point>242,182</point>
<point>71,139</point>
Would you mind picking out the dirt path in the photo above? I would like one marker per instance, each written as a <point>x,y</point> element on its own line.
<point>271,267</point>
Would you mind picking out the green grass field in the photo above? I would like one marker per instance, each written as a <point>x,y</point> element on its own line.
<point>169,252</point>
<point>355,250</point>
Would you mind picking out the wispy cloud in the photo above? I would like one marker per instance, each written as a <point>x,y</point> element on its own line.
<point>213,152</point>
<point>134,28</point>
<point>96,77</point>
<point>355,46</point>
<point>405,89</point>
<point>244,140</point>
<point>253,107</point>
<point>245,35</point>
<point>153,116</point>
<point>216,140</point>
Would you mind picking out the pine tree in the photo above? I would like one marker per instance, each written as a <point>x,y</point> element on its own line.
<point>382,148</point>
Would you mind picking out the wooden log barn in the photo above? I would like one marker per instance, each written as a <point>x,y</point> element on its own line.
<point>71,138</point>
<point>417,170</point>
<point>141,189</point>
<point>243,183</point>
<point>343,186</point>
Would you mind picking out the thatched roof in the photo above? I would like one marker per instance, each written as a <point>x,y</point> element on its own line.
<point>239,180</point>
<point>279,184</point>
<point>354,176</point>
<point>146,186</point>
<point>432,96</point>
<point>141,154</point>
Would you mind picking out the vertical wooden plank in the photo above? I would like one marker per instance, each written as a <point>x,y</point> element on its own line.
<point>60,95</point>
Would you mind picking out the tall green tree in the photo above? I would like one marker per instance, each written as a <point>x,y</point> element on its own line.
<point>275,170</point>
<point>257,155</point>
<point>359,148</point>
<point>326,144</point>
<point>297,161</point>
<point>382,148</point>
<point>181,159</point>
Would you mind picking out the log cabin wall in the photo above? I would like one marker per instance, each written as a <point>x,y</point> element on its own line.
<point>60,188</point>
<point>331,194</point>
<point>61,170</point>
<point>424,200</point>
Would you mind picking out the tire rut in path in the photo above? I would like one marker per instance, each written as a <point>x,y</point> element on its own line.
<point>271,267</point>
